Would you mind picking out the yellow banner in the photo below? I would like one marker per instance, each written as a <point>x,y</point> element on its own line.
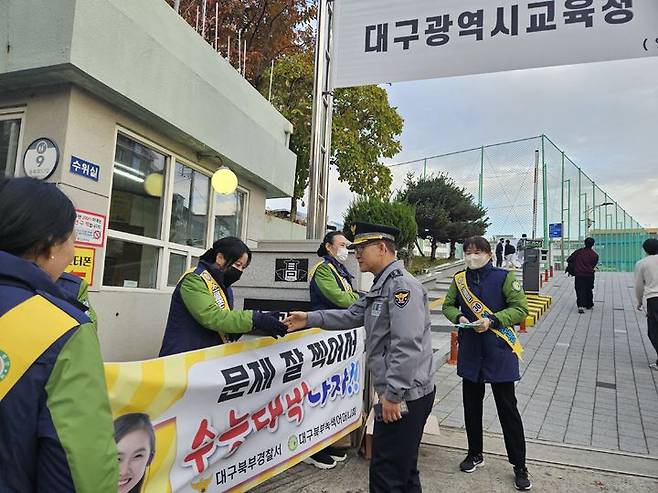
<point>229,417</point>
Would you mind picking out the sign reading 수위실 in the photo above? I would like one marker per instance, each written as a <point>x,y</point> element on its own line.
<point>89,228</point>
<point>83,264</point>
<point>242,412</point>
<point>291,270</point>
<point>84,168</point>
<point>377,41</point>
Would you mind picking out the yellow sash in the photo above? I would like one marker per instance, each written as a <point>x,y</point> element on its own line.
<point>346,285</point>
<point>26,331</point>
<point>480,310</point>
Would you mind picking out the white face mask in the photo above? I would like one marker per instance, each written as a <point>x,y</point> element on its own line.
<point>476,260</point>
<point>341,255</point>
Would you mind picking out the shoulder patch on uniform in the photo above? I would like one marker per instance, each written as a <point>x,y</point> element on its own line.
<point>402,297</point>
<point>396,273</point>
<point>516,286</point>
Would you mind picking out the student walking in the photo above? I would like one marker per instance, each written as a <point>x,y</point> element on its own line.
<point>500,247</point>
<point>581,265</point>
<point>509,255</point>
<point>646,288</point>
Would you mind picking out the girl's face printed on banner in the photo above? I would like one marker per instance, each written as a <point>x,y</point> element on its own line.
<point>134,451</point>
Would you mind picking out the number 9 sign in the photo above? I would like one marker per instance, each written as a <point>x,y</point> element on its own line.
<point>40,159</point>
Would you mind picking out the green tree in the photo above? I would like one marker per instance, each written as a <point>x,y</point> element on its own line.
<point>391,213</point>
<point>365,127</point>
<point>445,212</point>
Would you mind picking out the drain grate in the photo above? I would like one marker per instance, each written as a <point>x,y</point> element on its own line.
<point>606,385</point>
<point>617,309</point>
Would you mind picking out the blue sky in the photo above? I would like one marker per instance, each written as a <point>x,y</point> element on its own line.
<point>603,115</point>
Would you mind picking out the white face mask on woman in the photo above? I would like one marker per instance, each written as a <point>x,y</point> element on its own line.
<point>341,255</point>
<point>476,260</point>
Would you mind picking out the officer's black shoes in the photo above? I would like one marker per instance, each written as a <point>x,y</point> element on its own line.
<point>581,310</point>
<point>521,481</point>
<point>321,460</point>
<point>471,462</point>
<point>336,454</point>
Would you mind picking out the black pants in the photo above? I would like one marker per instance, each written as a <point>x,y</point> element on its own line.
<point>652,322</point>
<point>393,468</point>
<point>508,414</point>
<point>584,291</point>
<point>499,260</point>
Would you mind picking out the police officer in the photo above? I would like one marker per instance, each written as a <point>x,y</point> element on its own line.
<point>76,290</point>
<point>55,423</point>
<point>493,301</point>
<point>201,312</point>
<point>399,351</point>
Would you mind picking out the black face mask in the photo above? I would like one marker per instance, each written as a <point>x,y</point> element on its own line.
<point>231,275</point>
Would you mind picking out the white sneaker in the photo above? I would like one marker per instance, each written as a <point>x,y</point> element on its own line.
<point>654,366</point>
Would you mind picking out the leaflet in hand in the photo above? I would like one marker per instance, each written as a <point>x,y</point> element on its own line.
<point>470,325</point>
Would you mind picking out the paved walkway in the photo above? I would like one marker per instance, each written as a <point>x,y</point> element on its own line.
<point>585,378</point>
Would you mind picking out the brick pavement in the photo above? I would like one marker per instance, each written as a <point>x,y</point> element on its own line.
<point>585,378</point>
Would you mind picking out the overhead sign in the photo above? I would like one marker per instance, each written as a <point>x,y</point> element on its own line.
<point>229,417</point>
<point>89,228</point>
<point>377,41</point>
<point>555,230</point>
<point>84,168</point>
<point>83,264</point>
<point>40,159</point>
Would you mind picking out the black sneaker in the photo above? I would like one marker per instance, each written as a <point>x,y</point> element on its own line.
<point>581,310</point>
<point>321,460</point>
<point>339,455</point>
<point>471,462</point>
<point>521,481</point>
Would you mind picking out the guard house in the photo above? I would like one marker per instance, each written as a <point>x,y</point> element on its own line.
<point>130,112</point>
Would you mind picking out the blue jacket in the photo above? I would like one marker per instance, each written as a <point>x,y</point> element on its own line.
<point>183,333</point>
<point>56,432</point>
<point>485,357</point>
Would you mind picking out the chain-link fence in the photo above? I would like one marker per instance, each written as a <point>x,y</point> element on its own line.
<point>531,186</point>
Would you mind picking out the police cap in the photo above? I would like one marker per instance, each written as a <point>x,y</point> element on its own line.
<point>366,232</point>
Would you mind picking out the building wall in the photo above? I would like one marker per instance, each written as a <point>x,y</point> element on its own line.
<point>132,321</point>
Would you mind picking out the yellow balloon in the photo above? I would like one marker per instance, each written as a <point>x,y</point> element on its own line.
<point>154,184</point>
<point>224,181</point>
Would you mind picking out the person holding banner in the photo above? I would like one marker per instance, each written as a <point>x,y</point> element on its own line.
<point>330,289</point>
<point>396,317</point>
<point>76,289</point>
<point>486,302</point>
<point>201,312</point>
<point>55,421</point>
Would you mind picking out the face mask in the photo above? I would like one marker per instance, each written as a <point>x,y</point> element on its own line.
<point>341,255</point>
<point>231,275</point>
<point>476,260</point>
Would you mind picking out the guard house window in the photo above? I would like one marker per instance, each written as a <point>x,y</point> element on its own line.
<point>229,214</point>
<point>130,265</point>
<point>163,215</point>
<point>9,130</point>
<point>136,210</point>
<point>137,189</point>
<point>189,207</point>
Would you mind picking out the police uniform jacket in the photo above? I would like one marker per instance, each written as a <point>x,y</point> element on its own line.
<point>485,357</point>
<point>56,432</point>
<point>398,341</point>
